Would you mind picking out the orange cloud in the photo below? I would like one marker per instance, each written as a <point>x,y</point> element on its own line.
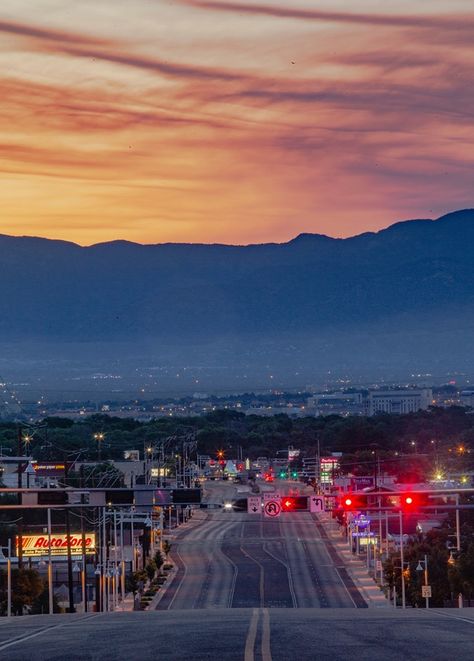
<point>106,133</point>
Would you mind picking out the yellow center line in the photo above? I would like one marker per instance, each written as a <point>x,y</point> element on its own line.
<point>251,636</point>
<point>266,651</point>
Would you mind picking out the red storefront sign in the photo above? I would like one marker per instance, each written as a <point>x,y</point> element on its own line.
<point>33,545</point>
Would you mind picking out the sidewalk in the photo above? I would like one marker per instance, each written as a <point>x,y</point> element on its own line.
<point>356,568</point>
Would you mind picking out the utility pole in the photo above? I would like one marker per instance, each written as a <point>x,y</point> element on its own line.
<point>20,523</point>
<point>83,544</point>
<point>68,547</point>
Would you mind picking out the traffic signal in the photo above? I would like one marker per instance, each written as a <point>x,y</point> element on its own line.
<point>294,504</point>
<point>351,502</point>
<point>283,475</point>
<point>413,501</point>
<point>294,473</point>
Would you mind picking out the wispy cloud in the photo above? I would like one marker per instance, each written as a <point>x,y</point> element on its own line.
<point>195,127</point>
<point>389,19</point>
<point>53,36</point>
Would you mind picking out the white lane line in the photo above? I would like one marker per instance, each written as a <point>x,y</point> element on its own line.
<point>262,575</point>
<point>251,636</point>
<point>345,586</point>
<point>266,651</point>
<point>288,572</point>
<point>451,617</point>
<point>181,581</point>
<point>21,639</point>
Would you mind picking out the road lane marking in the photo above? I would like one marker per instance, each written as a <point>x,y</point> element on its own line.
<point>185,571</point>
<point>266,651</point>
<point>262,575</point>
<point>288,573</point>
<point>21,639</point>
<point>251,636</point>
<point>449,616</point>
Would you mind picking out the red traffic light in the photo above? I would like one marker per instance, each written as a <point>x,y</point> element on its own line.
<point>353,501</point>
<point>294,503</point>
<point>414,501</point>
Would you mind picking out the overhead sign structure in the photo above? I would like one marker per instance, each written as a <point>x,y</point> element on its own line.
<point>316,504</point>
<point>34,545</point>
<point>272,508</point>
<point>254,505</point>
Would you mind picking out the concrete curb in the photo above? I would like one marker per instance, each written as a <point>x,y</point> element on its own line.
<point>370,590</point>
<point>161,592</point>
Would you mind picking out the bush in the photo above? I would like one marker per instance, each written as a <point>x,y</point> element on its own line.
<point>151,569</point>
<point>158,559</point>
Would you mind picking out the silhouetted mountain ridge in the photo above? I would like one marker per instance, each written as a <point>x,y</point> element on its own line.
<point>56,290</point>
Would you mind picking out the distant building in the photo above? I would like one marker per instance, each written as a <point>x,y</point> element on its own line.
<point>336,403</point>
<point>398,401</point>
<point>467,398</point>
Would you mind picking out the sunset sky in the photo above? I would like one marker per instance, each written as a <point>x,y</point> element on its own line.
<point>234,122</point>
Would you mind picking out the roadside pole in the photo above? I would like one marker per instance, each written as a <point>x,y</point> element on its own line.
<point>402,559</point>
<point>458,543</point>
<point>50,567</point>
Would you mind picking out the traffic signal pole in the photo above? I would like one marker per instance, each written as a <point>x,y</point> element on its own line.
<point>458,543</point>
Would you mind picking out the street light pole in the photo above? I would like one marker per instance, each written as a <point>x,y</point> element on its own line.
<point>426,581</point>
<point>425,571</point>
<point>402,559</point>
<point>458,542</point>
<point>50,567</point>
<point>8,548</point>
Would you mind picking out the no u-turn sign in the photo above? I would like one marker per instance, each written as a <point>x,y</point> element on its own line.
<point>272,508</point>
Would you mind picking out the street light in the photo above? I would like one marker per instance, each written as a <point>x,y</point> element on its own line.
<point>423,566</point>
<point>99,437</point>
<point>8,548</point>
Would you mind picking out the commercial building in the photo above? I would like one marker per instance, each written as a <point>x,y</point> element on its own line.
<point>336,403</point>
<point>398,401</point>
<point>467,398</point>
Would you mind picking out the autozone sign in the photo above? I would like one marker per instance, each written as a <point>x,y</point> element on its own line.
<point>39,544</point>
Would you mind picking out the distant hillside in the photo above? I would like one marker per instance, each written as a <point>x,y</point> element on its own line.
<point>408,278</point>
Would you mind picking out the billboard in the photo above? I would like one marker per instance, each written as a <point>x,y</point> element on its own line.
<point>38,545</point>
<point>362,482</point>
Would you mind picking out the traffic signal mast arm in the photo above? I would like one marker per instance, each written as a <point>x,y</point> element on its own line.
<point>406,500</point>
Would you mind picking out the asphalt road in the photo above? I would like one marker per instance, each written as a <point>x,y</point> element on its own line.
<point>239,560</point>
<point>253,590</point>
<point>242,634</point>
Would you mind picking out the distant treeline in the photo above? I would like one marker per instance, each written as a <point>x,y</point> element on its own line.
<point>438,437</point>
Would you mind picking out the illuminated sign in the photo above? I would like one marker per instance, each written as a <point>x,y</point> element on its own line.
<point>49,469</point>
<point>34,545</point>
<point>159,472</point>
<point>328,469</point>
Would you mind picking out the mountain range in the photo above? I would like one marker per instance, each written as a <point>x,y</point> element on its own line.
<point>338,301</point>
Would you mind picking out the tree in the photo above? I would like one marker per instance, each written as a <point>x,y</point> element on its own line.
<point>41,604</point>
<point>158,560</point>
<point>150,569</point>
<point>26,588</point>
